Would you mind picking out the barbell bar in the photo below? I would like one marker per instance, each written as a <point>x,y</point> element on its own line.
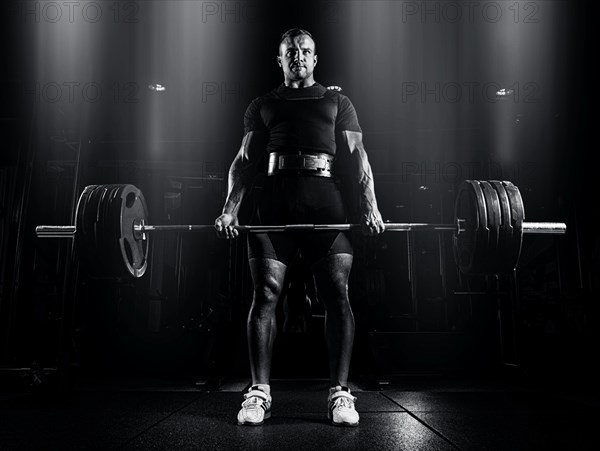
<point>551,228</point>
<point>112,235</point>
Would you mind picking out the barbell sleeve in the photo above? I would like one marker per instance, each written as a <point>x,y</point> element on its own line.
<point>553,228</point>
<point>47,231</point>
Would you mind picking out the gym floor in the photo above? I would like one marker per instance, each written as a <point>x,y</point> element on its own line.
<point>409,413</point>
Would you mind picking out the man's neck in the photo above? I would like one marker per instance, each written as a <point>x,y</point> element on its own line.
<point>306,83</point>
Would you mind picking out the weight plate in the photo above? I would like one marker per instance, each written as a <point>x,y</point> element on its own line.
<point>105,234</point>
<point>471,244</point>
<point>102,253</point>
<point>81,240</point>
<point>134,252</point>
<point>480,255</point>
<point>116,207</point>
<point>91,257</point>
<point>517,214</point>
<point>494,220</point>
<point>506,230</point>
<point>464,240</point>
<point>114,230</point>
<point>104,230</point>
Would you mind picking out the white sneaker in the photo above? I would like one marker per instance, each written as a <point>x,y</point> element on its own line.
<point>341,409</point>
<point>256,408</point>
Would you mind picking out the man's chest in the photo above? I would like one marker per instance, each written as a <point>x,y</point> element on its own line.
<point>298,112</point>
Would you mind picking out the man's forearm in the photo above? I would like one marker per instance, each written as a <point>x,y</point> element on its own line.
<point>238,182</point>
<point>361,171</point>
<point>366,184</point>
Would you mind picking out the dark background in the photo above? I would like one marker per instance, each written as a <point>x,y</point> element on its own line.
<point>423,76</point>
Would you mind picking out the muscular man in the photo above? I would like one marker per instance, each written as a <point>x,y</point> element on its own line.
<point>293,134</point>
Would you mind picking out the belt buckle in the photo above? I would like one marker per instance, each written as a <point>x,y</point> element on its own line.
<point>310,162</point>
<point>302,162</point>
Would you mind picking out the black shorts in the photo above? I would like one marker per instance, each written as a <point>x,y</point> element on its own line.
<point>292,199</point>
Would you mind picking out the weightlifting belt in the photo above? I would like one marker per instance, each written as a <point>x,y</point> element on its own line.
<point>319,164</point>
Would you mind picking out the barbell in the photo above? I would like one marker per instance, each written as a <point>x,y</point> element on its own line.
<point>112,235</point>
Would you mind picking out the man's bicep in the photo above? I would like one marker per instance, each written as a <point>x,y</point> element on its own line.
<point>253,146</point>
<point>352,141</point>
<point>346,118</point>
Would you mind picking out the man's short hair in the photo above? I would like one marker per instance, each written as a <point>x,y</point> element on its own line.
<point>292,33</point>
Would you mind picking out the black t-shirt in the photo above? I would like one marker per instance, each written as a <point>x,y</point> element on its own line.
<point>302,119</point>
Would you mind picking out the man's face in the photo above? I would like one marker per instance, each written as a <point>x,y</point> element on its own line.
<point>297,57</point>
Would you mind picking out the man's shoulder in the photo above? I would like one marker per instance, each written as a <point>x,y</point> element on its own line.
<point>335,92</point>
<point>260,99</point>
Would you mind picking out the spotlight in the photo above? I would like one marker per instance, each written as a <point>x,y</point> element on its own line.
<point>156,87</point>
<point>504,92</point>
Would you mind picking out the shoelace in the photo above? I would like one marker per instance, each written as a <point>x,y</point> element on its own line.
<point>253,400</point>
<point>342,401</point>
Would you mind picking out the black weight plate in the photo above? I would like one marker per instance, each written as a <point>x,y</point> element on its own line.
<point>494,220</point>
<point>477,236</point>
<point>120,266</point>
<point>517,213</point>
<point>506,230</point>
<point>471,244</point>
<point>112,218</point>
<point>111,232</point>
<point>464,241</point>
<point>96,238</point>
<point>105,237</point>
<point>80,230</point>
<point>91,258</point>
<point>102,257</point>
<point>480,255</point>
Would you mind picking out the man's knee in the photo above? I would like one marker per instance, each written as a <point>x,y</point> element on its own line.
<point>336,284</point>
<point>339,306</point>
<point>268,287</point>
<point>266,296</point>
<point>335,297</point>
<point>268,277</point>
